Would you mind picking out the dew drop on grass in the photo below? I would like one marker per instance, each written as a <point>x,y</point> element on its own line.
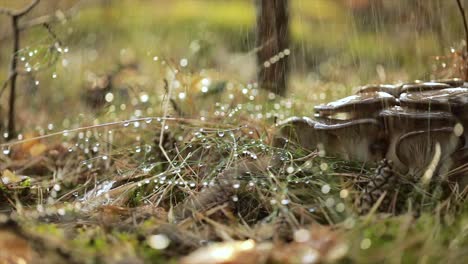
<point>329,202</point>
<point>158,241</point>
<point>184,62</point>
<point>323,166</point>
<point>366,243</point>
<point>221,133</point>
<point>340,207</point>
<point>144,97</point>
<point>6,150</point>
<point>325,189</point>
<point>344,193</point>
<point>109,97</point>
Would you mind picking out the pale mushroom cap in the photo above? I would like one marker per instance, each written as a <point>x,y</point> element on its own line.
<point>392,89</point>
<point>403,119</point>
<point>454,82</point>
<point>449,99</point>
<point>366,103</point>
<point>423,86</point>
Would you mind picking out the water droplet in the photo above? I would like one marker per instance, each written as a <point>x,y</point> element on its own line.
<point>158,241</point>
<point>182,95</point>
<point>144,97</point>
<point>6,150</point>
<point>326,189</point>
<point>109,97</point>
<point>184,62</point>
<point>366,243</point>
<point>57,187</point>
<point>221,133</point>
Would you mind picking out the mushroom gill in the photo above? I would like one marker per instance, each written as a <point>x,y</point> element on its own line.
<point>398,121</point>
<point>361,140</point>
<point>427,151</point>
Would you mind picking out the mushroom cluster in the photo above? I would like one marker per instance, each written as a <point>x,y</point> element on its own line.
<point>419,126</point>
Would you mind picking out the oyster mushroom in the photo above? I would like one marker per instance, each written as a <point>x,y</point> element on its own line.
<point>398,121</point>
<point>454,82</point>
<point>362,105</point>
<point>359,140</point>
<point>394,90</point>
<point>454,100</point>
<point>427,152</point>
<point>299,130</point>
<point>448,99</point>
<point>423,86</point>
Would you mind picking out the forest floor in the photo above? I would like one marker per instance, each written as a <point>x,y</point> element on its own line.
<point>123,132</point>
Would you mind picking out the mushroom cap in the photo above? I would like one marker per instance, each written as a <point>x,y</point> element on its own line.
<point>423,86</point>
<point>416,149</point>
<point>448,99</point>
<point>400,118</point>
<point>299,130</point>
<point>454,82</point>
<point>392,89</point>
<point>343,125</point>
<point>364,103</point>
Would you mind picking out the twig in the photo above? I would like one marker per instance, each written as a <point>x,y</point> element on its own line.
<point>14,16</point>
<point>47,19</point>
<point>465,25</point>
<point>21,12</point>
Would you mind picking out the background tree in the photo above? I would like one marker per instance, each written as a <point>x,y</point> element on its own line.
<point>273,43</point>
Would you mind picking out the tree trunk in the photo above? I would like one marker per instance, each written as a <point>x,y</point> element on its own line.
<point>273,44</point>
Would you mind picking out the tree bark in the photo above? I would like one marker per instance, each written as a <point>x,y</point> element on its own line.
<point>273,44</point>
